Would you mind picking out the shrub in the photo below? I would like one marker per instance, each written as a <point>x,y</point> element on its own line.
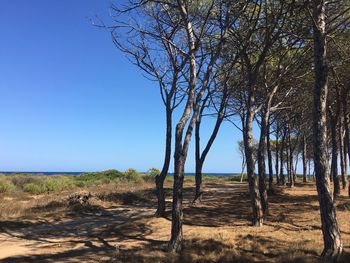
<point>107,176</point>
<point>6,187</point>
<point>57,184</point>
<point>151,174</point>
<point>33,188</point>
<point>20,180</point>
<point>132,175</point>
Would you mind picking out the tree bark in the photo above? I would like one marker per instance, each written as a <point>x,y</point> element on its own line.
<point>181,146</point>
<point>257,219</point>
<point>277,156</point>
<point>331,234</point>
<point>283,142</point>
<point>159,180</point>
<point>269,155</point>
<point>261,164</point>
<point>334,166</point>
<point>342,152</point>
<point>304,159</point>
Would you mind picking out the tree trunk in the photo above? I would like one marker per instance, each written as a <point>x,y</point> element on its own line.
<point>283,142</point>
<point>342,152</point>
<point>334,166</point>
<point>242,172</point>
<point>257,219</point>
<point>291,174</point>
<point>277,157</point>
<point>331,234</point>
<point>200,157</point>
<point>346,125</point>
<point>269,155</point>
<point>181,146</point>
<point>159,180</point>
<point>199,164</point>
<point>304,160</point>
<point>261,164</point>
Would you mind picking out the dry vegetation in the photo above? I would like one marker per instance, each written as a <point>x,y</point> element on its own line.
<point>117,224</point>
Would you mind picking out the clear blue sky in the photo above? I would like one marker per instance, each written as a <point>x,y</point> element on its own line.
<point>70,101</point>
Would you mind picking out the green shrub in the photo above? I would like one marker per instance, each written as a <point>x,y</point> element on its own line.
<point>20,180</point>
<point>132,175</point>
<point>103,177</point>
<point>6,187</point>
<point>151,175</point>
<point>34,188</point>
<point>57,184</point>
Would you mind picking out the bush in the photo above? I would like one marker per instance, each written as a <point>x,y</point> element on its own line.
<point>132,175</point>
<point>33,188</point>
<point>105,177</point>
<point>57,184</point>
<point>151,175</point>
<point>6,187</point>
<point>20,180</point>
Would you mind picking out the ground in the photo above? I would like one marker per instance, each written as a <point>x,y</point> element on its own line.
<point>119,226</point>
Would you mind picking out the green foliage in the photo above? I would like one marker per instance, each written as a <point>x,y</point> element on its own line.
<point>33,188</point>
<point>151,175</point>
<point>6,187</point>
<point>132,175</point>
<point>104,177</point>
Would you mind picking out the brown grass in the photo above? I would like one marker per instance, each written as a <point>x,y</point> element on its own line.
<point>120,226</point>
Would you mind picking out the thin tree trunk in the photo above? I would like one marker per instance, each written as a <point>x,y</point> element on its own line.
<point>269,155</point>
<point>334,166</point>
<point>200,157</point>
<point>342,152</point>
<point>181,146</point>
<point>331,234</point>
<point>199,163</point>
<point>346,125</point>
<point>288,161</point>
<point>304,160</point>
<point>159,180</point>
<point>277,157</point>
<point>282,177</point>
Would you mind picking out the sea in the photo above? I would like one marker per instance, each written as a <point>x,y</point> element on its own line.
<point>77,173</point>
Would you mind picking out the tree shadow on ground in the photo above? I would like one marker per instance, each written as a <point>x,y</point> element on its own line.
<point>103,235</point>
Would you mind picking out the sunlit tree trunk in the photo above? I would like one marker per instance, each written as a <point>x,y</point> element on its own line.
<point>257,209</point>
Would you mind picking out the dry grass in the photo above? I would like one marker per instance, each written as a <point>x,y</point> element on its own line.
<point>121,227</point>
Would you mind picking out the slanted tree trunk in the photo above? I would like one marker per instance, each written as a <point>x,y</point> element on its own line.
<point>331,234</point>
<point>200,157</point>
<point>269,155</point>
<point>257,210</point>
<point>261,163</point>
<point>159,180</point>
